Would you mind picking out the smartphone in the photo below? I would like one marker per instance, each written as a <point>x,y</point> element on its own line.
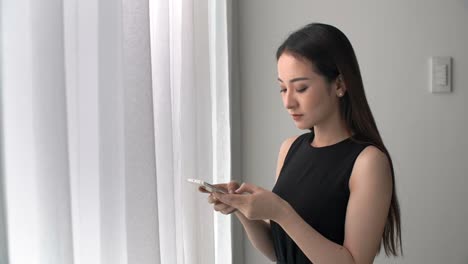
<point>207,186</point>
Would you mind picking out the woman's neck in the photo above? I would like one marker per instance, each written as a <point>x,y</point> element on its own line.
<point>331,132</point>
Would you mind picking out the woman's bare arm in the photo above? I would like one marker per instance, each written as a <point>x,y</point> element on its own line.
<point>258,231</point>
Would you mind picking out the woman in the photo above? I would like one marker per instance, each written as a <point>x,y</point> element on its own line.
<point>334,199</point>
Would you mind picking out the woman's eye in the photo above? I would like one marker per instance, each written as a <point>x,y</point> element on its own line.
<point>302,90</point>
<point>282,90</point>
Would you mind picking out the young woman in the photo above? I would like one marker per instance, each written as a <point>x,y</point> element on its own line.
<point>334,199</point>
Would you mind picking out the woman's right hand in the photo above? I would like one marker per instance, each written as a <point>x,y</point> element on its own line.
<point>218,205</point>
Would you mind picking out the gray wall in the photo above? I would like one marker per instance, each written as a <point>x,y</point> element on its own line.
<point>3,234</point>
<point>424,132</point>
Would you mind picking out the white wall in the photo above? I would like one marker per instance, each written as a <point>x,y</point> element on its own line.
<point>424,132</point>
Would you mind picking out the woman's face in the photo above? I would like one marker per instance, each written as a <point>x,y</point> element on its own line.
<point>304,92</point>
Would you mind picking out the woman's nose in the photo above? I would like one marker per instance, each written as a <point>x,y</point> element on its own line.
<point>289,100</point>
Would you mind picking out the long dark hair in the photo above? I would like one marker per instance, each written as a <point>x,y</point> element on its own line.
<point>332,55</point>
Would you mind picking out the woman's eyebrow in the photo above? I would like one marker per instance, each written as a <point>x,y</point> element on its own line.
<point>296,79</point>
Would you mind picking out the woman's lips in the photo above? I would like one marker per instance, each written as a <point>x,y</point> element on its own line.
<point>296,117</point>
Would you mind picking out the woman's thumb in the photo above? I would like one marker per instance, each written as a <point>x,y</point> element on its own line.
<point>245,187</point>
<point>232,186</point>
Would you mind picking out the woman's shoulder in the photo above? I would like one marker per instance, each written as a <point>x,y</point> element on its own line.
<point>284,149</point>
<point>288,142</point>
<point>371,155</point>
<point>370,162</point>
<point>286,145</point>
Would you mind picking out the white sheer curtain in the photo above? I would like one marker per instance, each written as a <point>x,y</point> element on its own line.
<point>35,162</point>
<point>192,126</point>
<point>102,125</point>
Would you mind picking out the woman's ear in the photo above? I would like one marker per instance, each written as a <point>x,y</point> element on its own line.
<point>340,86</point>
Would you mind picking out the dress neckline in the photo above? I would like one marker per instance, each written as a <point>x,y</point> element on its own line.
<point>310,138</point>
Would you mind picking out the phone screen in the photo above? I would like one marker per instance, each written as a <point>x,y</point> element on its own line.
<point>207,186</point>
<point>212,188</point>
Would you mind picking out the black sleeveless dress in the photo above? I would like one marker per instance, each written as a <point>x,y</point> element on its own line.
<point>314,181</point>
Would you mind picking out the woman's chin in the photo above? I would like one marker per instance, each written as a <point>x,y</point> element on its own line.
<point>301,125</point>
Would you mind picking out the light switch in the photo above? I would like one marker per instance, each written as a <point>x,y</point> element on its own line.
<point>441,74</point>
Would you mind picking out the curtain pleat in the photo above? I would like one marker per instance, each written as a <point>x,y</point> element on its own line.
<point>185,130</point>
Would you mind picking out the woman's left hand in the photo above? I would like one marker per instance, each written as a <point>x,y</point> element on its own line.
<point>254,202</point>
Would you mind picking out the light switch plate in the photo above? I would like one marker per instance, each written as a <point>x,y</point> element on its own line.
<point>440,74</point>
